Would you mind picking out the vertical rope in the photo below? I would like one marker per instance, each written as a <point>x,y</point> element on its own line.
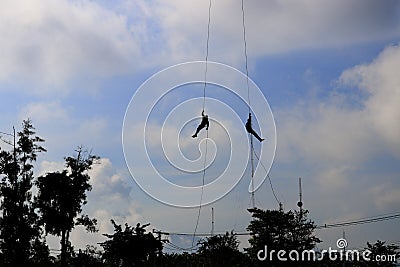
<point>208,40</point>
<point>248,101</point>
<point>204,103</point>
<point>245,55</point>
<point>201,196</point>
<point>252,172</point>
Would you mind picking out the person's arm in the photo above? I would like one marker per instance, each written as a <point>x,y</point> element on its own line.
<point>202,113</point>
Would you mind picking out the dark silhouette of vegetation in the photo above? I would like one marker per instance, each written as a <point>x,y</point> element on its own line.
<point>61,196</point>
<point>380,249</point>
<point>131,246</point>
<point>379,255</point>
<point>89,257</point>
<point>221,250</point>
<point>216,250</point>
<point>184,259</point>
<point>19,228</point>
<point>279,230</point>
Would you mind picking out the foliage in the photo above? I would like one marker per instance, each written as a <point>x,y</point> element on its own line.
<point>90,257</point>
<point>279,230</point>
<point>221,250</point>
<point>180,259</point>
<point>19,228</point>
<point>131,246</point>
<point>61,196</point>
<point>381,249</point>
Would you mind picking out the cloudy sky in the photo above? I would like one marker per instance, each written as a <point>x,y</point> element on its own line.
<point>329,70</point>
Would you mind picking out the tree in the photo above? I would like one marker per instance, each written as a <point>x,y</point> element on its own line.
<point>221,250</point>
<point>131,246</point>
<point>90,257</point>
<point>184,259</point>
<point>61,196</point>
<point>383,251</point>
<point>19,228</point>
<point>279,230</point>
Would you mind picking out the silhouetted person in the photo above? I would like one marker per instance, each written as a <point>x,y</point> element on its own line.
<point>250,129</point>
<point>204,123</point>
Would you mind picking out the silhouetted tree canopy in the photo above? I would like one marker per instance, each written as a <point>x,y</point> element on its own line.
<point>380,248</point>
<point>131,246</point>
<point>279,230</point>
<point>221,250</point>
<point>61,196</point>
<point>19,228</point>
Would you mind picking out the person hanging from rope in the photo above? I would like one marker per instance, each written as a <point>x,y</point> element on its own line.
<point>250,129</point>
<point>204,123</point>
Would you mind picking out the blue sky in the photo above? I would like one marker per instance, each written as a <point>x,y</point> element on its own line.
<point>329,70</point>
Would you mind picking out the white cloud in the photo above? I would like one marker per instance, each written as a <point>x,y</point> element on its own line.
<point>111,194</point>
<point>336,141</point>
<point>44,111</point>
<point>63,128</point>
<point>293,25</point>
<point>334,136</point>
<point>50,166</point>
<point>337,177</point>
<point>271,26</point>
<point>386,196</point>
<point>381,81</point>
<point>51,42</point>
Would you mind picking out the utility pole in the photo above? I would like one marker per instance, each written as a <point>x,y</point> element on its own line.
<point>212,221</point>
<point>300,203</point>
<point>13,144</point>
<point>344,249</point>
<point>15,155</point>
<point>280,206</point>
<point>159,233</point>
<point>15,174</point>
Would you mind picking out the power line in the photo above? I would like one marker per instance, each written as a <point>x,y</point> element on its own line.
<point>361,221</point>
<point>373,219</point>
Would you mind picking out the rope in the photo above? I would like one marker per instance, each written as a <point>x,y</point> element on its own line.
<point>204,103</point>
<point>245,55</point>
<point>252,171</point>
<point>248,100</point>
<point>208,40</point>
<point>201,196</point>
<point>269,178</point>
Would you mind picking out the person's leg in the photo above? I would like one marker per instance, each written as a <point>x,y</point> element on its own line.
<point>256,135</point>
<point>201,126</point>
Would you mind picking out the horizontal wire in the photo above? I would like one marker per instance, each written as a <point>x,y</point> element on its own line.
<point>325,226</point>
